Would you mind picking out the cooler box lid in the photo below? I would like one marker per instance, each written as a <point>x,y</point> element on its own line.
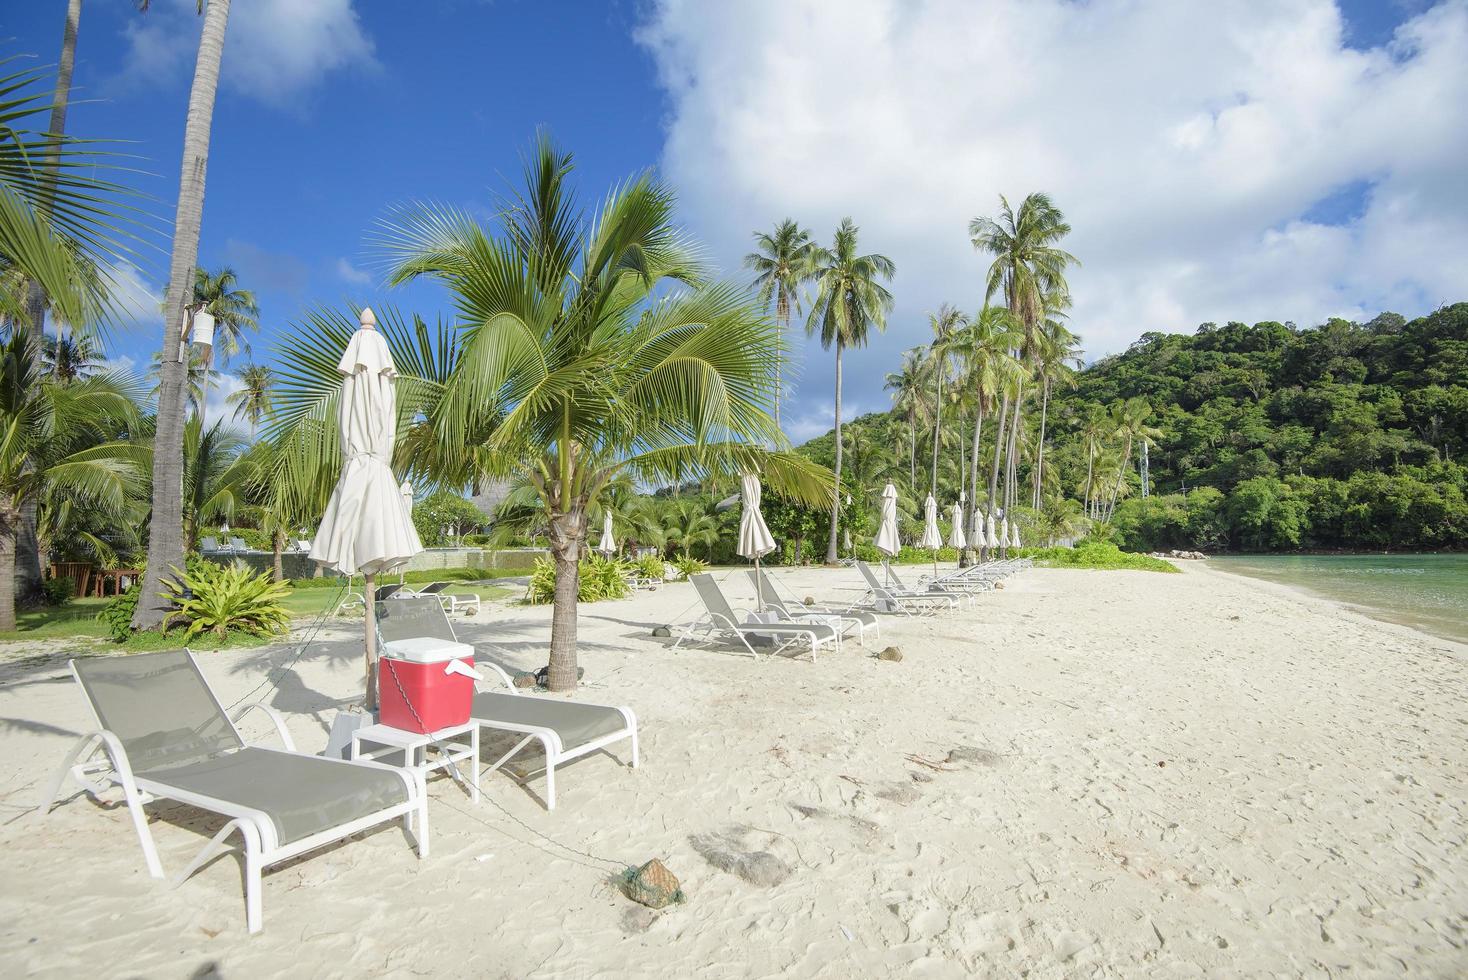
<point>427,650</point>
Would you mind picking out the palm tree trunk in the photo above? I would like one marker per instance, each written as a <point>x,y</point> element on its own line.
<point>937,432</point>
<point>1090,466</point>
<point>1040,446</point>
<point>165,530</point>
<point>27,585</point>
<point>973,476</point>
<point>831,553</point>
<point>277,544</point>
<point>912,451</point>
<point>60,98</point>
<point>782,317</point>
<point>9,516</point>
<point>998,456</point>
<point>567,529</point>
<point>1011,464</point>
<point>1126,457</point>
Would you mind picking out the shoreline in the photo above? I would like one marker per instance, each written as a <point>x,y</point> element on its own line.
<point>1376,614</point>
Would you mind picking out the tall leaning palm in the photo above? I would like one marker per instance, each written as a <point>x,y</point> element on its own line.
<point>985,350</point>
<point>906,385</point>
<point>781,263</point>
<point>1057,356</point>
<point>849,303</point>
<point>946,325</point>
<point>165,530</point>
<point>235,312</point>
<point>592,346</point>
<point>1028,269</point>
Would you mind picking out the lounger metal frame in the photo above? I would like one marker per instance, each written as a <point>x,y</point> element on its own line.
<point>714,624</point>
<point>262,848</point>
<point>907,603</point>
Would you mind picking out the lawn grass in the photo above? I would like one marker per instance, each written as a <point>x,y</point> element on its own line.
<point>78,620</point>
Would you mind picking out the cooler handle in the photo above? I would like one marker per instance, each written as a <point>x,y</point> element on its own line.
<point>459,667</point>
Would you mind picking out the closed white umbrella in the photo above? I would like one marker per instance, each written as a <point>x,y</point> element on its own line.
<point>755,539</point>
<point>931,539</point>
<point>366,527</point>
<point>886,540</point>
<point>608,544</point>
<point>1004,533</point>
<point>956,538</point>
<point>993,533</point>
<point>1014,534</point>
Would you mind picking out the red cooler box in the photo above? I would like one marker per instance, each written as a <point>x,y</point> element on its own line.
<point>425,684</point>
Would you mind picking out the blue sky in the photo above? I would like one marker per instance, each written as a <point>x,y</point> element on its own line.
<point>331,112</point>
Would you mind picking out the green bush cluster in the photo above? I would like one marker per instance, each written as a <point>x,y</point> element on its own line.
<point>1097,554</point>
<point>650,566</point>
<point>687,565</point>
<point>225,598</point>
<point>599,578</point>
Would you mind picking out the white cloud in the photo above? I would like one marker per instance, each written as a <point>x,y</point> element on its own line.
<point>275,50</point>
<point>1186,142</point>
<point>216,403</point>
<point>137,303</point>
<point>352,274</point>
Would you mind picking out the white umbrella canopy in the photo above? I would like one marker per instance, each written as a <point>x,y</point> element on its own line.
<point>1014,535</point>
<point>956,537</point>
<point>886,539</point>
<point>1004,533</point>
<point>608,543</point>
<point>993,532</point>
<point>931,539</point>
<point>755,539</point>
<point>366,527</point>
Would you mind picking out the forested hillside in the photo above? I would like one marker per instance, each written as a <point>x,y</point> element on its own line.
<point>1262,437</point>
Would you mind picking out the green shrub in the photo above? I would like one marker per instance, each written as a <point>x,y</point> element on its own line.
<point>600,578</point>
<point>58,591</point>
<point>118,614</point>
<point>1097,554</point>
<point>220,599</point>
<point>651,566</point>
<point>688,565</point>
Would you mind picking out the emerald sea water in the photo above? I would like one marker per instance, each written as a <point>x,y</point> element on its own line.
<point>1429,592</point>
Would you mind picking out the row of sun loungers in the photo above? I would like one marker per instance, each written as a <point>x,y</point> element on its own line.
<point>162,734</point>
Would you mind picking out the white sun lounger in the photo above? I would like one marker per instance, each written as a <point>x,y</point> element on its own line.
<point>850,617</point>
<point>566,730</point>
<point>452,601</point>
<point>902,601</point>
<point>163,735</point>
<point>721,620</point>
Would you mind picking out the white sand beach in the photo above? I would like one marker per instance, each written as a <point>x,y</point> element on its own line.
<point>1089,773</point>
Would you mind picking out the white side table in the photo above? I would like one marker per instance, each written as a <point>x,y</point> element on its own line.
<point>414,748</point>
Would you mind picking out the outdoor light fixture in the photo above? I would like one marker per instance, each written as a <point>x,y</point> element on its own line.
<point>203,332</point>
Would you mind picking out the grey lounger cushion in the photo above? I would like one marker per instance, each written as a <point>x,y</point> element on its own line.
<point>301,794</point>
<point>576,724</point>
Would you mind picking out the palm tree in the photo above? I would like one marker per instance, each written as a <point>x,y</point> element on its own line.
<point>985,351</point>
<point>218,472</point>
<point>946,324</point>
<point>234,310</point>
<point>1055,351</point>
<point>1028,268</point>
<point>849,303</point>
<point>1129,423</point>
<point>70,358</point>
<point>255,399</point>
<point>166,530</point>
<point>687,524</point>
<point>780,264</point>
<point>1094,427</point>
<point>906,386</point>
<point>200,378</point>
<point>59,444</point>
<point>579,359</point>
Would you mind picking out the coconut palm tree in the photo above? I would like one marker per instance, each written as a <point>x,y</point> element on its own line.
<point>70,358</point>
<point>1057,358</point>
<point>945,324</point>
<point>906,386</point>
<point>984,348</point>
<point>781,263</point>
<point>1028,269</point>
<point>849,303</point>
<point>166,527</point>
<point>235,312</point>
<point>1129,423</point>
<point>218,473</point>
<point>590,347</point>
<point>256,398</point>
<point>59,443</point>
<point>687,524</point>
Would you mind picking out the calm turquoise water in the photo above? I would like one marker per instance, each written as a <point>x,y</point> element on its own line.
<point>1429,592</point>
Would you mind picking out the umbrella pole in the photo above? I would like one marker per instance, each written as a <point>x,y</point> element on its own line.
<point>369,588</point>
<point>759,591</point>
